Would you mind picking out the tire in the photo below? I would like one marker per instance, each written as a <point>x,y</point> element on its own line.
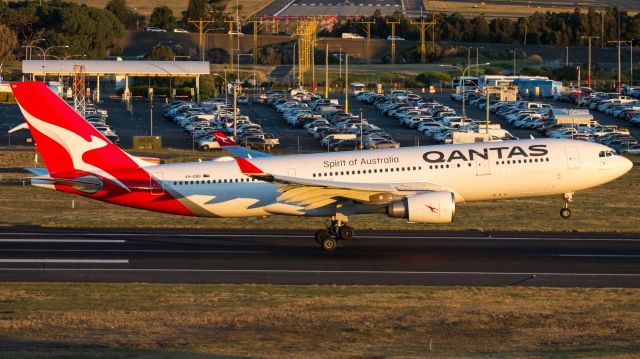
<point>321,235</point>
<point>329,244</point>
<point>565,213</point>
<point>205,147</point>
<point>345,233</point>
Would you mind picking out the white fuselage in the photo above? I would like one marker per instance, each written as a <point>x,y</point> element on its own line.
<point>473,172</point>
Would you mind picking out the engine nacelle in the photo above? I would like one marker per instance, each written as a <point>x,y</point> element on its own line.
<point>430,207</point>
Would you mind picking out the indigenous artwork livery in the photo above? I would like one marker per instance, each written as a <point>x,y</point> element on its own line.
<point>422,184</point>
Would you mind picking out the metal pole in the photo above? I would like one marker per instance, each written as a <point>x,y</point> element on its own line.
<point>346,83</point>
<point>151,114</point>
<point>235,115</point>
<point>477,55</point>
<point>589,70</point>
<point>619,65</point>
<point>326,71</point>
<point>464,113</point>
<point>340,58</point>
<point>293,71</point>
<point>361,130</point>
<point>514,62</point>
<point>567,56</point>
<point>631,62</point>
<point>487,117</point>
<point>579,90</point>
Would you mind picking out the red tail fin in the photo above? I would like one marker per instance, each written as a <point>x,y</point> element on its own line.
<point>66,141</point>
<point>224,140</point>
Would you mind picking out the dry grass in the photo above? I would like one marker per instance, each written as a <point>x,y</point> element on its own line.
<point>611,207</point>
<point>145,7</point>
<point>320,321</point>
<point>512,10</point>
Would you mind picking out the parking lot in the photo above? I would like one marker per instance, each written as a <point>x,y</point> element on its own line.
<point>291,139</point>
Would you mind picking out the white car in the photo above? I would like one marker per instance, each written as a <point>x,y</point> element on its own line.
<point>180,30</point>
<point>396,38</point>
<point>154,29</point>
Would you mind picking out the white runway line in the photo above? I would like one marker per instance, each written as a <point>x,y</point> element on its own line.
<point>52,260</point>
<point>601,255</point>
<point>342,272</point>
<point>45,240</point>
<point>31,250</point>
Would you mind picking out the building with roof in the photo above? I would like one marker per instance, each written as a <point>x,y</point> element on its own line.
<point>118,68</point>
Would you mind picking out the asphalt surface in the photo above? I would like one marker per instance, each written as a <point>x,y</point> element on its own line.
<point>341,8</point>
<point>293,257</point>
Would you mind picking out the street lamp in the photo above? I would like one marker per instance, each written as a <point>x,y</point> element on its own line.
<point>464,71</point>
<point>53,47</point>
<point>226,87</point>
<point>205,44</point>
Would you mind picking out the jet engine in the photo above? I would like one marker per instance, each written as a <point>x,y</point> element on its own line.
<point>428,207</point>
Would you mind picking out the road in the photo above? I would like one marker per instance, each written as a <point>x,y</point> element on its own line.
<point>293,257</point>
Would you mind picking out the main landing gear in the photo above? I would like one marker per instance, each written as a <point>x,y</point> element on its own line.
<point>565,212</point>
<point>337,229</point>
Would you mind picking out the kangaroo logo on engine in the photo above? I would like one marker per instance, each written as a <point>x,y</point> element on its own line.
<point>472,155</point>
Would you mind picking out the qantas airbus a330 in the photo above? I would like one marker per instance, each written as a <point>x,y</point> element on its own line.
<point>422,184</point>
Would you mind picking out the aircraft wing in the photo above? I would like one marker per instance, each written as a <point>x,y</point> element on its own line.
<point>312,193</point>
<point>234,149</point>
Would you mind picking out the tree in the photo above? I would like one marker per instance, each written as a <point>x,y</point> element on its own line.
<point>131,20</point>
<point>162,17</point>
<point>160,53</point>
<point>8,44</point>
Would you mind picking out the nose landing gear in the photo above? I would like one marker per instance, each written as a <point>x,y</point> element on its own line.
<point>337,229</point>
<point>565,212</point>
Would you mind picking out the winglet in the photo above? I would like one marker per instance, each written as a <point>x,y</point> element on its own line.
<point>224,140</point>
<point>247,168</point>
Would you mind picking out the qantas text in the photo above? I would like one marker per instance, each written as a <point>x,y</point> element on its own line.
<point>471,154</point>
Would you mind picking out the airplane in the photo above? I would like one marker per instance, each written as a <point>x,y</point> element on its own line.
<point>422,184</point>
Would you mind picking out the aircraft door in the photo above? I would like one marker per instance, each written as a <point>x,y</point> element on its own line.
<point>573,160</point>
<point>482,167</point>
<point>156,183</point>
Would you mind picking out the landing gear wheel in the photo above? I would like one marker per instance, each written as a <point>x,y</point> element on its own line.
<point>321,235</point>
<point>345,233</point>
<point>565,213</point>
<point>329,244</point>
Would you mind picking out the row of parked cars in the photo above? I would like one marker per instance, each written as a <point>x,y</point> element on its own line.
<point>215,115</point>
<point>98,117</point>
<point>619,105</point>
<point>542,118</point>
<point>325,120</point>
<point>435,120</point>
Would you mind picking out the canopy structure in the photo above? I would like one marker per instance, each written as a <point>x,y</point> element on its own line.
<point>119,68</point>
<point>115,67</point>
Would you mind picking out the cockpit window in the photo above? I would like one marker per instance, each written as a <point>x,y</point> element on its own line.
<point>607,153</point>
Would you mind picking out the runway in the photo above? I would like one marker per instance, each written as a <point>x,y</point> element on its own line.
<point>293,257</point>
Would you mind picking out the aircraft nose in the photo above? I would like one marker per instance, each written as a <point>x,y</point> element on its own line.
<point>624,164</point>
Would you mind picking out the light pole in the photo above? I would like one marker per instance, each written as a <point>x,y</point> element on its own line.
<point>619,42</point>
<point>29,46</point>
<point>226,84</point>
<point>52,47</point>
<point>346,83</point>
<point>566,60</point>
<point>326,70</point>
<point>631,62</point>
<point>205,44</point>
<point>464,70</point>
<point>514,61</point>
<point>579,90</point>
<point>589,69</point>
<point>294,64</point>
